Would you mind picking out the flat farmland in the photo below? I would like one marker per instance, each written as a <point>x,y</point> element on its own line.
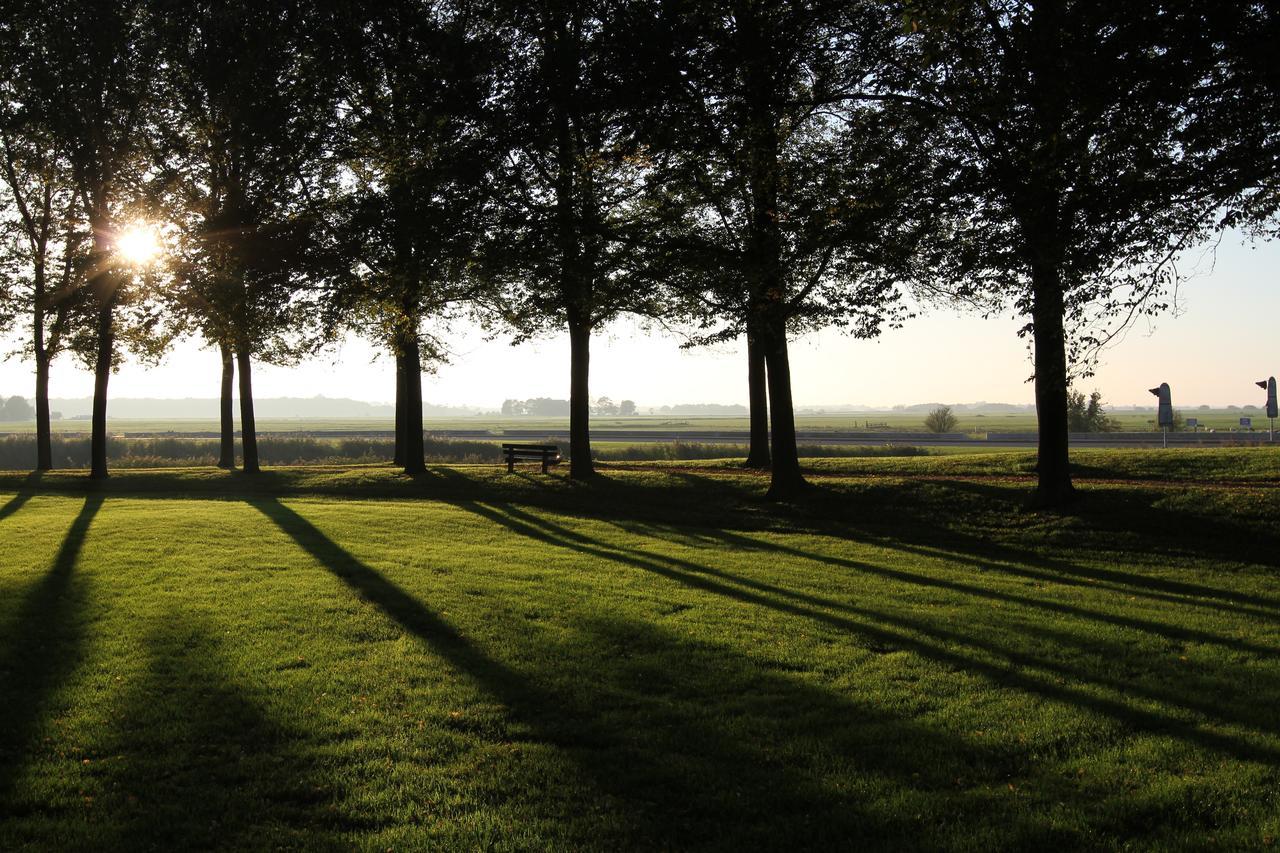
<point>1022,422</point>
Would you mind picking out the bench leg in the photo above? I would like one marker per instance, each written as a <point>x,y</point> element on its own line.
<point>544,463</point>
<point>511,464</point>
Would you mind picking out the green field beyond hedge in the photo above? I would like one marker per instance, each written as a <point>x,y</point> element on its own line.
<point>906,658</point>
<point>1221,419</point>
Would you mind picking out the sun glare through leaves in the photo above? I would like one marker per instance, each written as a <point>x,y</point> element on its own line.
<point>138,244</point>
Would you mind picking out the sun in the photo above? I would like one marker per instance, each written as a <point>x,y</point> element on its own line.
<point>138,244</point>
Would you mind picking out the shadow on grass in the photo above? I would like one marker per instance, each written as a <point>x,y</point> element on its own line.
<point>1013,565</point>
<point>1002,665</point>
<point>30,486</point>
<point>42,648</point>
<point>192,762</point>
<point>685,743</point>
<point>909,516</point>
<point>1159,523</point>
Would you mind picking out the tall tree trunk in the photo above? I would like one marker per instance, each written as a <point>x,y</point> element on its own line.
<point>248,426</point>
<point>768,310</point>
<point>758,398</point>
<point>400,395</point>
<point>104,289</point>
<point>226,409</point>
<point>787,480</point>
<point>44,438</point>
<point>580,464</point>
<point>1053,455</point>
<point>562,49</point>
<point>413,449</point>
<point>101,376</point>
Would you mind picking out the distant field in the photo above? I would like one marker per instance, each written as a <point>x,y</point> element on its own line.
<point>1219,419</point>
<point>906,658</point>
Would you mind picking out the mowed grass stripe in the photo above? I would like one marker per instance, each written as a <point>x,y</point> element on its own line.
<point>509,672</point>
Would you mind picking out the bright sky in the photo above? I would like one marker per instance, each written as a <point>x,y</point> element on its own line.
<point>1211,353</point>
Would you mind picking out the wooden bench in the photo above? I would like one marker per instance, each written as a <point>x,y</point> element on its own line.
<point>547,454</point>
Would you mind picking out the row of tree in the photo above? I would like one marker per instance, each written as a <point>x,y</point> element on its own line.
<point>743,168</point>
<point>547,407</point>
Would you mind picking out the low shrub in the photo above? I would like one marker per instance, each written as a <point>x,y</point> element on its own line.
<point>18,452</point>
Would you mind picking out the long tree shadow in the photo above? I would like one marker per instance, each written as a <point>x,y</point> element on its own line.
<point>1137,518</point>
<point>637,723</point>
<point>1222,691</point>
<point>1013,668</point>
<point>898,516</point>
<point>40,650</point>
<point>29,487</point>
<point>192,762</point>
<point>746,544</point>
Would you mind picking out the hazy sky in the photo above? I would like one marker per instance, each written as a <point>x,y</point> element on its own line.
<point>1222,341</point>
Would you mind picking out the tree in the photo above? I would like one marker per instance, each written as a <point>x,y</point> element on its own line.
<point>627,408</point>
<point>1077,158</point>
<point>42,240</point>
<point>243,154</point>
<point>785,195</point>
<point>16,409</point>
<point>545,407</point>
<point>569,204</point>
<point>1088,415</point>
<point>941,420</point>
<point>83,82</point>
<point>417,82</point>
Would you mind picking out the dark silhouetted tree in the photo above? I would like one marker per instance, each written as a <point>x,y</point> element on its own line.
<point>787,197</point>
<point>569,202</point>
<point>244,152</point>
<point>83,80</point>
<point>1087,144</point>
<point>417,86</point>
<point>42,243</point>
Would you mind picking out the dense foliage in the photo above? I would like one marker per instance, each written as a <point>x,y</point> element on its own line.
<point>754,168</point>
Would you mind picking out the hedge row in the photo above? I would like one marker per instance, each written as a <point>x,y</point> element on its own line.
<point>18,452</point>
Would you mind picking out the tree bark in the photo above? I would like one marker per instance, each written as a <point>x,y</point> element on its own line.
<point>413,449</point>
<point>787,481</point>
<point>101,376</point>
<point>1053,454</point>
<point>248,426</point>
<point>758,397</point>
<point>44,438</point>
<point>226,407</point>
<point>104,289</point>
<point>580,464</point>
<point>400,397</point>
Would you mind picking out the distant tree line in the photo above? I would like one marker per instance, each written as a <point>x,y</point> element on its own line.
<point>549,408</point>
<point>16,409</point>
<point>745,169</point>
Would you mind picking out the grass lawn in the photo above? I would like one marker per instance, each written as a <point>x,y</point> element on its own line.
<point>906,658</point>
